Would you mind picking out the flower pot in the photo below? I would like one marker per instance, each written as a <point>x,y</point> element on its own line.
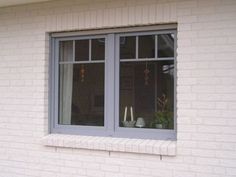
<point>159,126</point>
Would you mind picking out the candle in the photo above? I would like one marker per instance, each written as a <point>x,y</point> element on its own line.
<point>125,115</point>
<point>132,114</point>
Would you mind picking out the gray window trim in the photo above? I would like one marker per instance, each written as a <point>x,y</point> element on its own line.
<point>81,62</point>
<point>156,44</point>
<point>90,50</point>
<point>119,30</point>
<point>94,36</point>
<point>147,59</point>
<point>111,93</point>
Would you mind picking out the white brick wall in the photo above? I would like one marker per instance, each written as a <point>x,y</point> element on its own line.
<point>206,145</point>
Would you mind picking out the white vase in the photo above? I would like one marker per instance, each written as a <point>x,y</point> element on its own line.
<point>140,122</point>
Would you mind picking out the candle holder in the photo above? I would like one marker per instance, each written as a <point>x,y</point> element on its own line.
<point>128,123</point>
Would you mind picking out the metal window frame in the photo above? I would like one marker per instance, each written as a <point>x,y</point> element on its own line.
<point>143,133</point>
<point>111,87</point>
<point>73,129</point>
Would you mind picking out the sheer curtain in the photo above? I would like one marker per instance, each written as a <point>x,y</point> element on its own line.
<point>66,83</point>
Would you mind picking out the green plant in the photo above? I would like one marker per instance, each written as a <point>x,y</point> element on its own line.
<point>163,116</point>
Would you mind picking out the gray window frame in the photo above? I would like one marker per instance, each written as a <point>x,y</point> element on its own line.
<point>111,92</point>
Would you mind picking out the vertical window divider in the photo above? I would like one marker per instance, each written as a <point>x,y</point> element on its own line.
<point>156,57</point>
<point>156,46</point>
<point>136,51</point>
<point>110,84</point>
<point>90,49</point>
<point>73,49</point>
<point>155,86</point>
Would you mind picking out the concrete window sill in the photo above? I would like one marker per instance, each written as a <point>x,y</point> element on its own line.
<point>157,147</point>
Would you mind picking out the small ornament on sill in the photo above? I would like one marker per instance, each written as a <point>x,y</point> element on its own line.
<point>146,74</point>
<point>140,122</point>
<point>82,73</point>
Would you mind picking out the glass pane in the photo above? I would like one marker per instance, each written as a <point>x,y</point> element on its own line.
<point>81,93</point>
<point>82,50</point>
<point>166,45</point>
<point>128,47</point>
<point>98,49</point>
<point>146,46</point>
<point>147,94</point>
<point>66,50</point>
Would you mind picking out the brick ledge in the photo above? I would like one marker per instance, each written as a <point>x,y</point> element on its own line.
<point>157,147</point>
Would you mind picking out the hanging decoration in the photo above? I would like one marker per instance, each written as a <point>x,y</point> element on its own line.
<point>82,73</point>
<point>146,74</point>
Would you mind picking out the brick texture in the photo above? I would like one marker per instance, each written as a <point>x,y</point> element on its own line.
<point>206,88</point>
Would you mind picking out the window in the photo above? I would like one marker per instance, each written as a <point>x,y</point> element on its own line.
<point>114,84</point>
<point>81,82</point>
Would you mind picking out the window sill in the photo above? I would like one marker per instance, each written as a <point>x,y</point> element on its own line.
<point>157,147</point>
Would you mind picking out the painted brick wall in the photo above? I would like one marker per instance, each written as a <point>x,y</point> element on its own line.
<point>206,91</point>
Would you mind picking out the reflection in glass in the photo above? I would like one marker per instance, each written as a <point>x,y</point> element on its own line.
<point>166,45</point>
<point>128,47</point>
<point>146,46</point>
<point>142,84</point>
<point>81,94</point>
<point>98,49</point>
<point>82,50</point>
<point>66,50</point>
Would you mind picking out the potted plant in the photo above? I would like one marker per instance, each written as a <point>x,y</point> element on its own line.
<point>163,117</point>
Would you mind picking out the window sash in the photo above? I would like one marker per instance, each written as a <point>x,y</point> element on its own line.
<point>142,132</point>
<point>111,92</point>
<point>73,128</point>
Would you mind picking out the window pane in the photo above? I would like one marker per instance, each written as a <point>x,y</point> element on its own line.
<point>66,50</point>
<point>82,94</point>
<point>166,45</point>
<point>82,50</point>
<point>98,49</point>
<point>147,93</point>
<point>146,46</point>
<point>128,47</point>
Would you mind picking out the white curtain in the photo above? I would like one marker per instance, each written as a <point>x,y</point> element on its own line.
<point>66,83</point>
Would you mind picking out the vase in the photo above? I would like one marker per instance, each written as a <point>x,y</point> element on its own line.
<point>140,122</point>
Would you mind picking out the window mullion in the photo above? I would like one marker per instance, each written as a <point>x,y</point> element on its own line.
<point>90,49</point>
<point>117,80</point>
<point>109,83</point>
<point>156,46</point>
<point>156,56</point>
<point>136,55</point>
<point>73,50</point>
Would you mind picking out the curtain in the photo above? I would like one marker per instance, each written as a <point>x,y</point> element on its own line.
<point>66,83</point>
